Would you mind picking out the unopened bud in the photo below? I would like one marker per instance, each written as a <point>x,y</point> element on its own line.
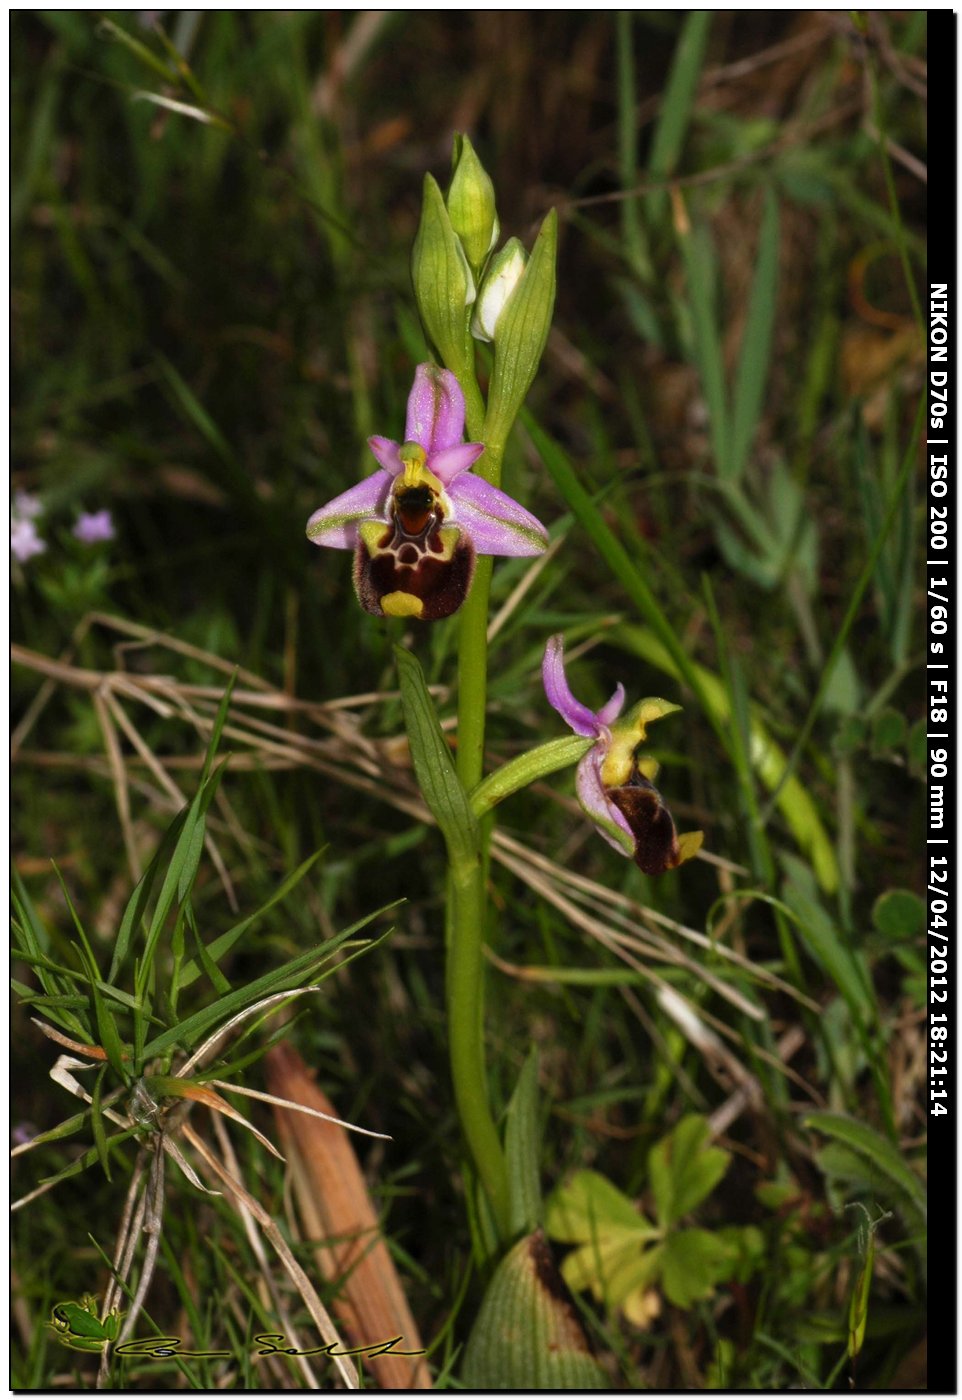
<point>444,286</point>
<point>470,205</point>
<point>503,275</point>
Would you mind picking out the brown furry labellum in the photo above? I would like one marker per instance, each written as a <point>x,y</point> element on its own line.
<point>656,840</point>
<point>415,565</point>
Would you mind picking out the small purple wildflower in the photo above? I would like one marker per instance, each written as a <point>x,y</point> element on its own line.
<point>94,527</point>
<point>24,540</point>
<point>26,506</point>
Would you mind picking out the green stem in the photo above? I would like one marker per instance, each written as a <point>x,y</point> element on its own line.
<point>467,898</point>
<point>473,637</point>
<point>465,993</point>
<point>473,676</point>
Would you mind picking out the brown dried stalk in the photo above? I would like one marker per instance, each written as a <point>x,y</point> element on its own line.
<point>335,1207</point>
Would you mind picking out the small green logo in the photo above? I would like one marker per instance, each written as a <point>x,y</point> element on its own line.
<point>79,1325</point>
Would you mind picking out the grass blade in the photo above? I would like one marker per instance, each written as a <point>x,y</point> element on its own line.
<point>701,274</point>
<point>194,1027</point>
<point>522,1150</point>
<point>676,106</point>
<point>755,358</point>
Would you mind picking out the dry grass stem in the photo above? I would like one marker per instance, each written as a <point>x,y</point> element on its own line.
<point>240,1196</point>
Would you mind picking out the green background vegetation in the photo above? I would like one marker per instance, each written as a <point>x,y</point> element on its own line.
<point>208,320</point>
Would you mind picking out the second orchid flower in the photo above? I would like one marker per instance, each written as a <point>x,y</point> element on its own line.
<point>615,787</point>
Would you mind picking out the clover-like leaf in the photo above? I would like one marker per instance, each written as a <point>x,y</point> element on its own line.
<point>692,1263</point>
<point>588,1206</point>
<point>684,1168</point>
<point>614,1268</point>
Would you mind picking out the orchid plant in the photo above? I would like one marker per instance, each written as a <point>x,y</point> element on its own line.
<point>424,528</point>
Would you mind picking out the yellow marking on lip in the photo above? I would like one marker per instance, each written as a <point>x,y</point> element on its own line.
<point>402,605</point>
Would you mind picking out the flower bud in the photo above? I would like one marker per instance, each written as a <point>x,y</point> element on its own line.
<point>470,205</point>
<point>503,275</point>
<point>444,287</point>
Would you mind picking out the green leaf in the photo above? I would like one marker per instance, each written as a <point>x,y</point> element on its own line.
<point>109,1035</point>
<point>136,908</point>
<point>97,1121</point>
<point>218,947</point>
<point>285,978</point>
<point>677,103</point>
<point>41,1002</point>
<point>103,1018</point>
<point>917,746</point>
<point>194,838</point>
<point>35,936</point>
<point>108,30</point>
<point>843,691</point>
<point>521,335</point>
<point>522,1144</point>
<point>693,1263</point>
<point>889,730</point>
<point>613,1267</point>
<point>899,914</point>
<point>589,1205</point>
<point>905,1189</point>
<point>87,1159</point>
<point>33,946</point>
<point>754,359</point>
<point>437,777</point>
<point>748,1248</point>
<point>182,870</point>
<point>701,275</point>
<point>218,981</point>
<point>823,939</point>
<point>684,1168</point>
<point>527,1335</point>
<point>858,1308</point>
<point>850,736</point>
<point>66,1129</point>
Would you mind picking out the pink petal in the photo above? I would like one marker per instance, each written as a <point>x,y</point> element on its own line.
<point>452,461</point>
<point>594,800</point>
<point>335,524</point>
<point>495,522</point>
<point>611,709</point>
<point>435,410</point>
<point>577,716</point>
<point>387,453</point>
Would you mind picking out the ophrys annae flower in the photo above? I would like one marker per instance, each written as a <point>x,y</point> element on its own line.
<point>417,523</point>
<point>615,786</point>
